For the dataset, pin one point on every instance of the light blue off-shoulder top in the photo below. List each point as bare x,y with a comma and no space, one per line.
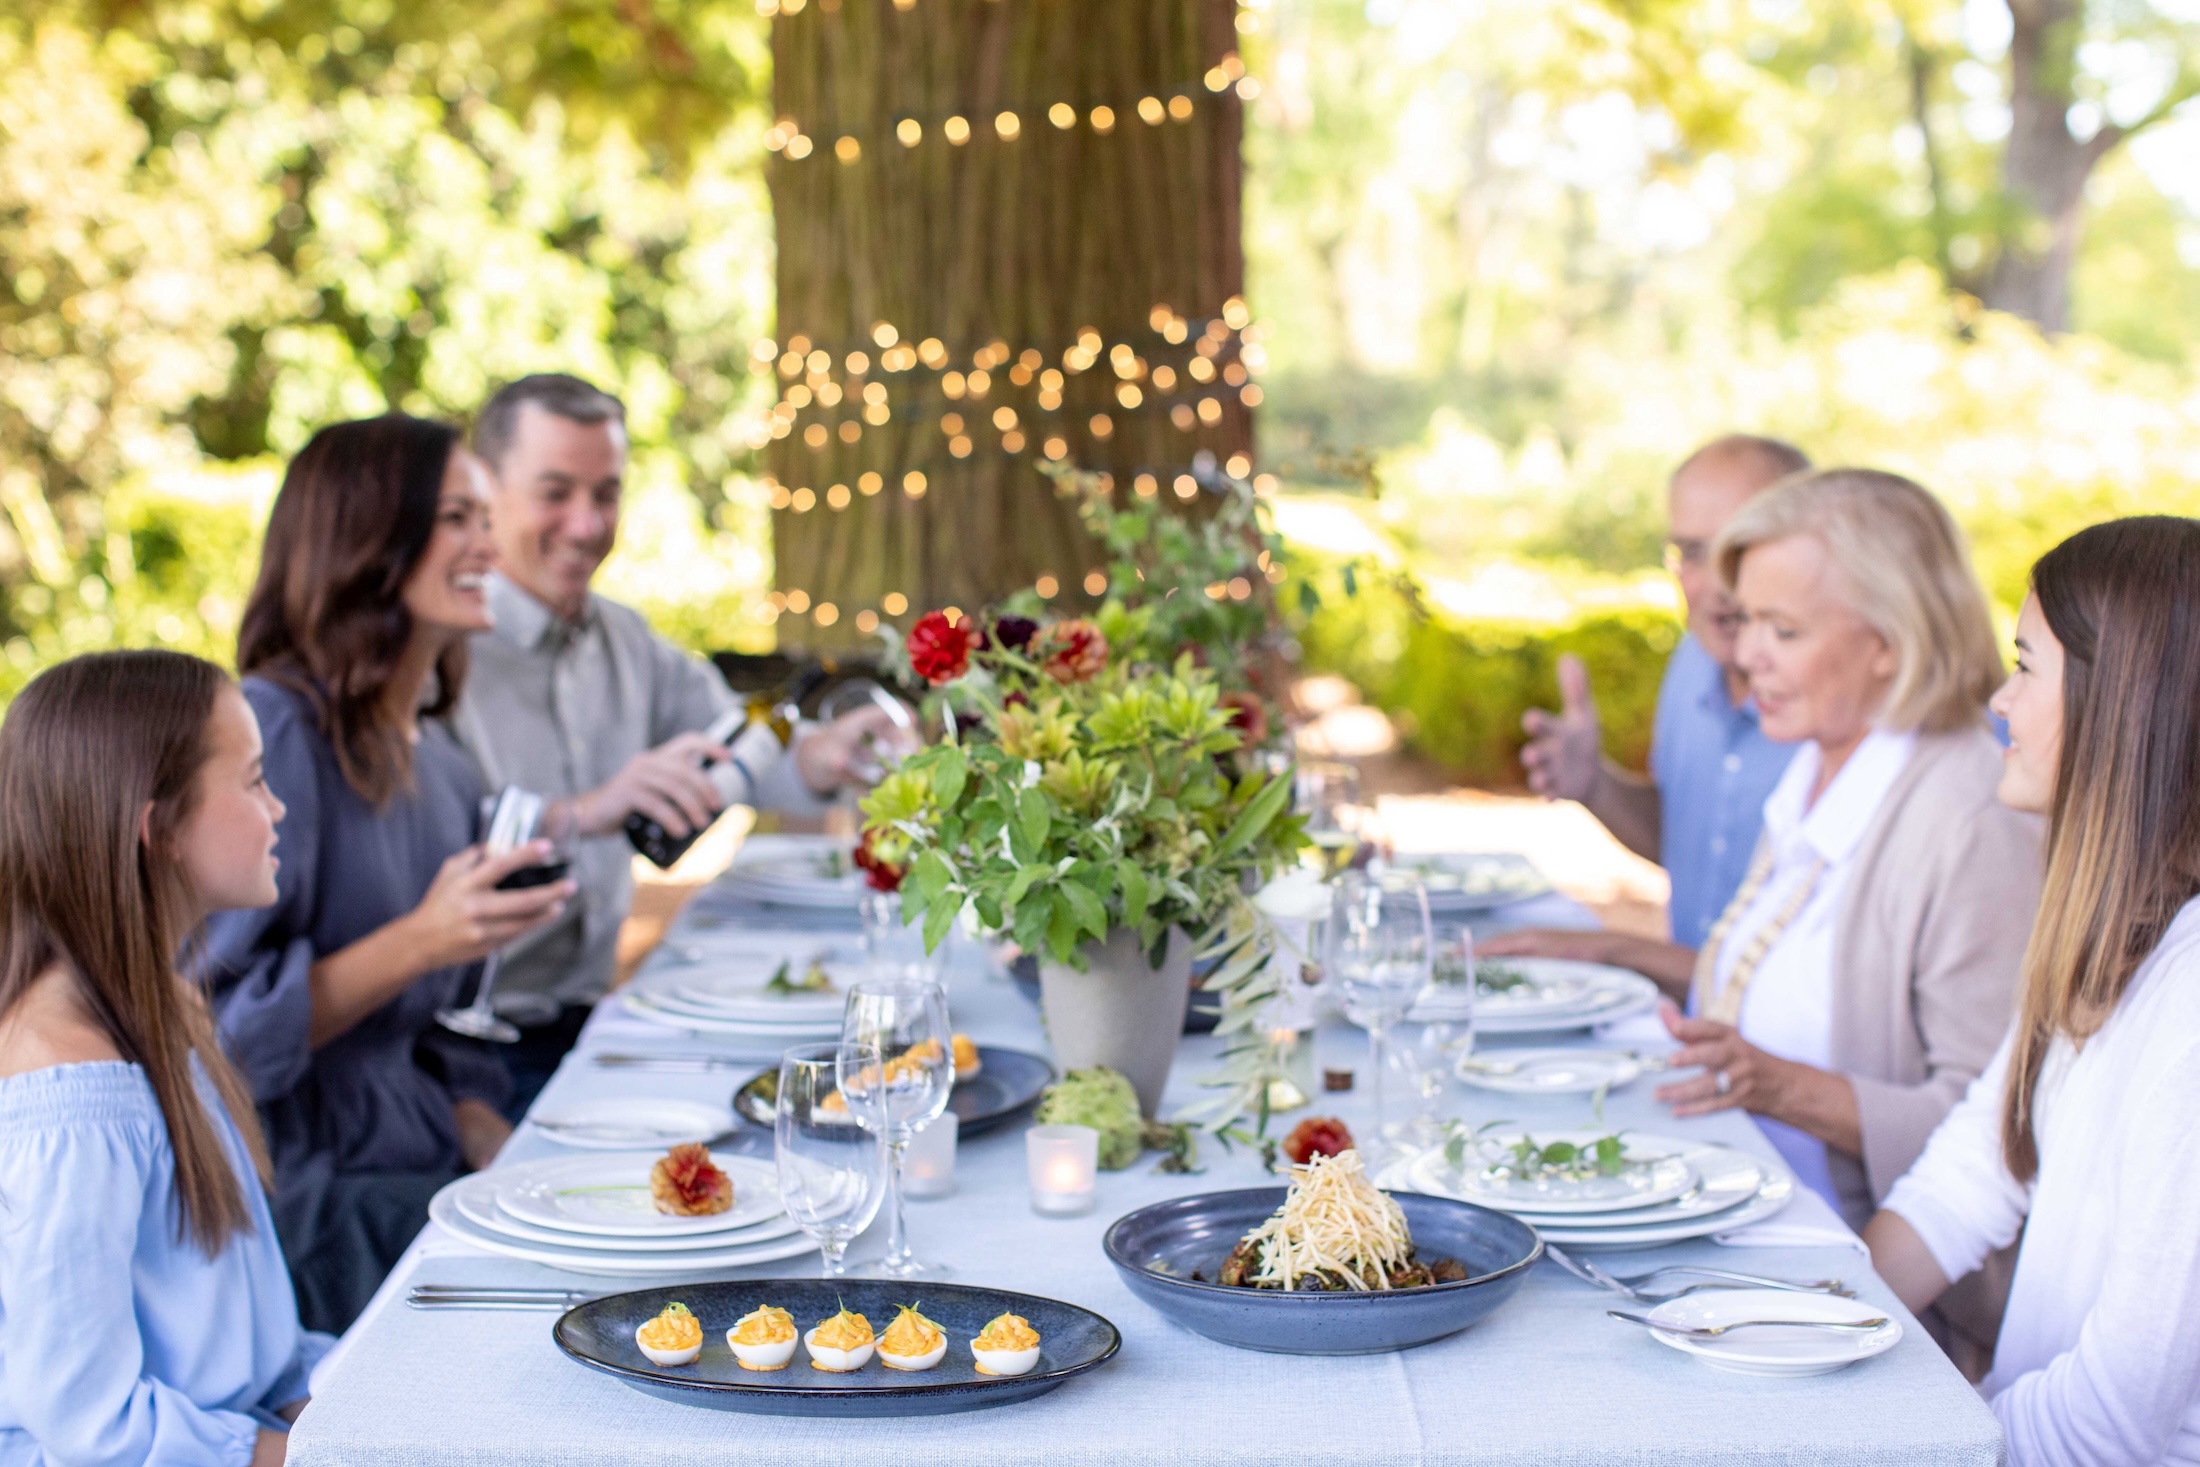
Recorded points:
121,1342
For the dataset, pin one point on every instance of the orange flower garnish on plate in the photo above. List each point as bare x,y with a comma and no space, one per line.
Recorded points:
685,1183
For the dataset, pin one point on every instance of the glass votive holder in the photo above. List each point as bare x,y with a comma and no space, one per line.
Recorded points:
928,1166
1064,1162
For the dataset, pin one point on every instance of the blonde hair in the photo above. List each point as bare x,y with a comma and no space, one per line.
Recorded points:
1908,574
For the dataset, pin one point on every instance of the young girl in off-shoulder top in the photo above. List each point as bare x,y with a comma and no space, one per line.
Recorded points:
145,1314
2084,1132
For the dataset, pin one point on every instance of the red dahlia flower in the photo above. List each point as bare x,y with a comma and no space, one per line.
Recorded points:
1071,651
1248,716
939,651
879,873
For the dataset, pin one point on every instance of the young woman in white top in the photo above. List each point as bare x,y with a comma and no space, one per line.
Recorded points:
2084,1132
145,1313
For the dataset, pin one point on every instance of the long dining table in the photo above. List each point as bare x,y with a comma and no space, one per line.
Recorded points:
1547,1379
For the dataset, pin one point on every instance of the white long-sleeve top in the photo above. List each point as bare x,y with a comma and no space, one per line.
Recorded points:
2099,1357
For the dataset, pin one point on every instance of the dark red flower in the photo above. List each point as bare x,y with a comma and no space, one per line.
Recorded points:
1320,1136
1071,651
1015,632
879,873
1249,716
939,651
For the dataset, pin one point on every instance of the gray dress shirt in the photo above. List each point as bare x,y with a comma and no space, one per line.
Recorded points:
559,708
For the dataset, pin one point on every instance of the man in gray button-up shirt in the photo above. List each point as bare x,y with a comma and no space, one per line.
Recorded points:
574,697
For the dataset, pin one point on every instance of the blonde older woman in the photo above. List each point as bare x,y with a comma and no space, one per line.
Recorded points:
1866,970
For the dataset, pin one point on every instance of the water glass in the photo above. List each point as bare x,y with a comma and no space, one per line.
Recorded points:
1379,963
1328,795
830,1140
906,1023
893,950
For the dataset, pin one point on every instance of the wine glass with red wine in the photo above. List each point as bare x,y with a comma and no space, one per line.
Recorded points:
510,819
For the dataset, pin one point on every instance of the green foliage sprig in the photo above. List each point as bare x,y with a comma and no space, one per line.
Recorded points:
1083,809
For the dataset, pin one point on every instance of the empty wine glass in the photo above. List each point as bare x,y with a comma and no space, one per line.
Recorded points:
830,1143
906,1022
894,949
1379,962
510,819
1328,795
1425,1057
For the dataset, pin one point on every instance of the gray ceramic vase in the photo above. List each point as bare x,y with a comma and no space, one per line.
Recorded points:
1120,1012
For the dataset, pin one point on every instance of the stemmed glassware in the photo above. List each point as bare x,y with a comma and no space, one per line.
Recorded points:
894,949
906,1022
1328,795
512,817
1379,961
831,1144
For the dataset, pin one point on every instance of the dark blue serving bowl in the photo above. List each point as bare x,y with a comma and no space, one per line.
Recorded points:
1158,1248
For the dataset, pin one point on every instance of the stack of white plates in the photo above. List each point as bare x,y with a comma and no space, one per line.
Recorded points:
1560,994
797,871
733,998
1678,1190
593,1214
1461,882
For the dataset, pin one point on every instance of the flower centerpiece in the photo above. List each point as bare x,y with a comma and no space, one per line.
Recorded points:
1091,809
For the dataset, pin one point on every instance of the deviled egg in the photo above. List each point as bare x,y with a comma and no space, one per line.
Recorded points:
1007,1346
674,1337
967,1062
762,1339
842,1343
912,1342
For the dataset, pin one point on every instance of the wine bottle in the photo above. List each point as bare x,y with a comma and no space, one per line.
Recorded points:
754,739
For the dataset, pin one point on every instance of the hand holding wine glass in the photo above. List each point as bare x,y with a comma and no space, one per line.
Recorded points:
514,820
906,1022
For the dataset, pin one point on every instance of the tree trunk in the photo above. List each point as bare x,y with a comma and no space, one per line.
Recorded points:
2044,168
969,289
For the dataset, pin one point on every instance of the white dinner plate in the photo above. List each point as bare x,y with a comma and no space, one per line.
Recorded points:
1777,1191
822,875
1725,1179
443,1209
1614,993
1548,1071
646,1005
476,1198
763,1012
1775,1351
624,1123
608,1196
743,995
1663,1174
1475,881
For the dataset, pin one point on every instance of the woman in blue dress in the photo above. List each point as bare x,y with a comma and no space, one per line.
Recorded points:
145,1316
353,640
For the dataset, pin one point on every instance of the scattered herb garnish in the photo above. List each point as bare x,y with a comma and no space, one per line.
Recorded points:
1525,1161
816,980
1494,977
1179,1141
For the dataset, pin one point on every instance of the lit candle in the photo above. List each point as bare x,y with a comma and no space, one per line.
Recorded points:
928,1166
1063,1161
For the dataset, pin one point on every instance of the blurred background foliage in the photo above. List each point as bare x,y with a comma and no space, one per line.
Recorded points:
1512,259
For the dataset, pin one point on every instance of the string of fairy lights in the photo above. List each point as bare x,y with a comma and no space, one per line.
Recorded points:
832,393
792,141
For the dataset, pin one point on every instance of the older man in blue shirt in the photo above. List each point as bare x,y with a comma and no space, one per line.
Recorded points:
1710,766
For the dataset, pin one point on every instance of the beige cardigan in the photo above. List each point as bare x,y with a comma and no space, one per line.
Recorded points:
1928,949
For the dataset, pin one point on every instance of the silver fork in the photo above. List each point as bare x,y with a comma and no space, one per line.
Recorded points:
1713,1331
1589,1273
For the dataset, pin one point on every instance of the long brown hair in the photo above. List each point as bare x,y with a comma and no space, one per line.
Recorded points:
2123,841
325,618
86,748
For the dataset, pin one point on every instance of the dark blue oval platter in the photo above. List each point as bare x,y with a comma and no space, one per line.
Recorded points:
1157,1249
600,1335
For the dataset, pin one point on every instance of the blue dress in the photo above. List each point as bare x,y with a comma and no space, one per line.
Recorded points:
120,1342
360,1129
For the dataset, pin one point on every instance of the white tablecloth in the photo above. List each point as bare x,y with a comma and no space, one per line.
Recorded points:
1546,1380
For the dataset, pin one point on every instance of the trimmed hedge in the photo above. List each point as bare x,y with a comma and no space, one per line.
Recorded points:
1457,688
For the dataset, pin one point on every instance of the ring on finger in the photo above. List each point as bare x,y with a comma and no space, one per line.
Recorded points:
1723,1082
